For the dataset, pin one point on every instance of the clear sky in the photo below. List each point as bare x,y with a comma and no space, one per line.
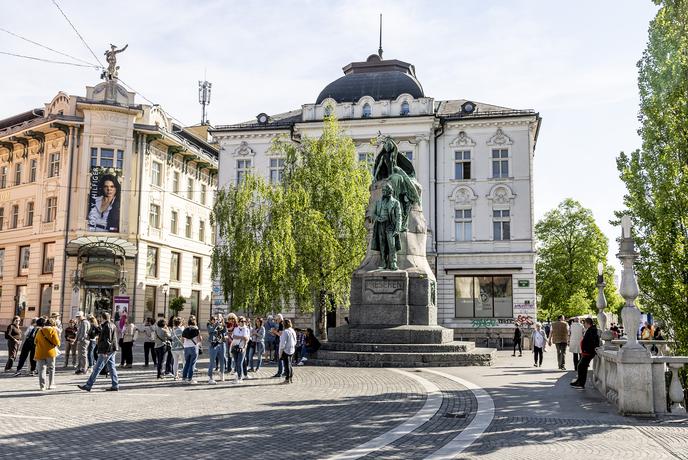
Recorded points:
573,62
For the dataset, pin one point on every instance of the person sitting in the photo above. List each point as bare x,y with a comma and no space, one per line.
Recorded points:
311,344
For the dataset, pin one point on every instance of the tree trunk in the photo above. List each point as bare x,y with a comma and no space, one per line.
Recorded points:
322,315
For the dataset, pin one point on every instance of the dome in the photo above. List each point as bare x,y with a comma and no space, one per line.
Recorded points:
377,78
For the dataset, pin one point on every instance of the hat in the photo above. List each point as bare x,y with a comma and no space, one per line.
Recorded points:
80,314
54,314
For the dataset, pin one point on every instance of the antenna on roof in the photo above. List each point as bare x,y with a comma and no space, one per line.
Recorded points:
379,51
204,98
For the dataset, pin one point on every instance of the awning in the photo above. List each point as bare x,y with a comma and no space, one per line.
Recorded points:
101,245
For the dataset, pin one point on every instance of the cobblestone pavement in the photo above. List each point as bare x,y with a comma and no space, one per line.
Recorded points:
326,411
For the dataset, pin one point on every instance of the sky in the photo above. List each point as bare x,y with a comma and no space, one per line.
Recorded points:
573,62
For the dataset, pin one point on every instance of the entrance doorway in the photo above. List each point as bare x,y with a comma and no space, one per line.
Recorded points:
98,299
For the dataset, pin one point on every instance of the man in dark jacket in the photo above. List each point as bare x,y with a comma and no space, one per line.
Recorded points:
107,348
590,342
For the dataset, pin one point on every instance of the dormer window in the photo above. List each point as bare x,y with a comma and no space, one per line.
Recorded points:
405,109
367,111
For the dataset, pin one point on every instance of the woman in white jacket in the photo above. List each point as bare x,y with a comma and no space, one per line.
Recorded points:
287,347
576,332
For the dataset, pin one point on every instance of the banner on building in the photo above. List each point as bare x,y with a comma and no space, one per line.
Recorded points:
104,199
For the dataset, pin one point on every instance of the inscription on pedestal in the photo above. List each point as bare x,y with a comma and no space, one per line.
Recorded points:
381,290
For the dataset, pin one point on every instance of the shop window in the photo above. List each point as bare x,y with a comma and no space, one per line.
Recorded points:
483,296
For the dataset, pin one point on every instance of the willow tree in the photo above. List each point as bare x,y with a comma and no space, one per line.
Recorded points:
327,192
656,176
570,245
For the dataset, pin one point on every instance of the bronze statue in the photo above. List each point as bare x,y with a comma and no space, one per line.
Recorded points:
111,58
387,218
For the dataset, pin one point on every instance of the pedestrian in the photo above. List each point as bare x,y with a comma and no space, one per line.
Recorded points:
575,337
277,332
270,342
231,323
560,337
240,338
217,338
82,342
177,348
539,344
107,349
13,334
258,339
249,349
70,343
517,340
589,344
93,333
149,342
47,346
286,349
58,323
647,332
192,339
28,349
548,329
129,336
311,345
162,337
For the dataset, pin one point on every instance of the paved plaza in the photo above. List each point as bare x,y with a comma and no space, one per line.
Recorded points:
511,410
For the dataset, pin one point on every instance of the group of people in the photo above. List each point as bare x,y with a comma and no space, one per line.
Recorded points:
235,344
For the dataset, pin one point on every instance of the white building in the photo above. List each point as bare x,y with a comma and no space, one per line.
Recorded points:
473,160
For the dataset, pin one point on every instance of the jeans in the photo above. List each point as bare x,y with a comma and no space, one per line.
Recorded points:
92,353
177,357
81,352
238,355
149,348
43,365
70,350
576,359
280,368
190,356
258,349
288,368
160,352
216,352
537,351
561,354
128,353
583,369
104,360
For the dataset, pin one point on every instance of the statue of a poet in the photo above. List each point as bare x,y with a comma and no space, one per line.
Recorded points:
387,225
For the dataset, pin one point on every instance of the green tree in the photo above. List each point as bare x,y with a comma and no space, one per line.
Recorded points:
656,176
327,192
570,245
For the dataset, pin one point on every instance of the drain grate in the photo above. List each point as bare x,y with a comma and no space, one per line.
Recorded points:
454,415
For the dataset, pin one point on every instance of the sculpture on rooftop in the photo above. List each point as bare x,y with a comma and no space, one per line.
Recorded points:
111,57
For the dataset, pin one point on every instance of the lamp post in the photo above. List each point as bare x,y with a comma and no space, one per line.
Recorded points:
165,290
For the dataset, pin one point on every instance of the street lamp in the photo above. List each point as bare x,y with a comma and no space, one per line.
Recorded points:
165,290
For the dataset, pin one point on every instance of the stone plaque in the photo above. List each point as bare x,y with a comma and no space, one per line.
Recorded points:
385,289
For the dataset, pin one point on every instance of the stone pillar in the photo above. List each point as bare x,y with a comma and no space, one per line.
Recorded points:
629,291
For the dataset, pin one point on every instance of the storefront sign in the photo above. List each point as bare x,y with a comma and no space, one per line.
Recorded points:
98,272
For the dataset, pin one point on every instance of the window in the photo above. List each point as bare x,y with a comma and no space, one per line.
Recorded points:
46,299
408,154
174,223
367,111
201,231
501,224
24,257
213,231
48,257
483,296
328,110
189,188
33,166
156,167
14,217
22,297
500,163
54,165
51,209
368,158
204,194
188,227
243,168
405,109
29,214
195,301
107,158
2,218
174,293
175,182
149,301
276,170
463,224
196,270
2,260
154,216
462,164
152,262
18,174
3,176
175,261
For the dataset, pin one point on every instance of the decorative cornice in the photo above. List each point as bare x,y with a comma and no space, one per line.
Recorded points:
244,149
499,139
462,140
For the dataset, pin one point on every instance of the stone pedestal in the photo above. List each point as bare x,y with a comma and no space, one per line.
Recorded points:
634,380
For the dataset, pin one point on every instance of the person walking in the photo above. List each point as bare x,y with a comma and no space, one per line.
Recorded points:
107,349
177,348
277,332
192,339
230,324
93,333
271,341
129,335
539,343
258,339
13,334
575,336
28,349
82,342
162,336
560,337
287,348
149,342
240,338
47,345
70,343
217,345
517,340
591,340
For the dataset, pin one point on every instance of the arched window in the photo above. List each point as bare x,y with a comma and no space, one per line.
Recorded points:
405,109
367,111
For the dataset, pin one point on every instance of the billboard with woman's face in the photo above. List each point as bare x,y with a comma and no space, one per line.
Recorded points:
104,200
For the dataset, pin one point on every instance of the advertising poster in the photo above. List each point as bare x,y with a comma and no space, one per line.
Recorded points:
104,200
121,310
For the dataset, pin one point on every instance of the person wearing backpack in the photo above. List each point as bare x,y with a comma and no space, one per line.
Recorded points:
162,336
177,346
47,343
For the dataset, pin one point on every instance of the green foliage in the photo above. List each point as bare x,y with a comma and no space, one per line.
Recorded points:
656,176
177,304
570,244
